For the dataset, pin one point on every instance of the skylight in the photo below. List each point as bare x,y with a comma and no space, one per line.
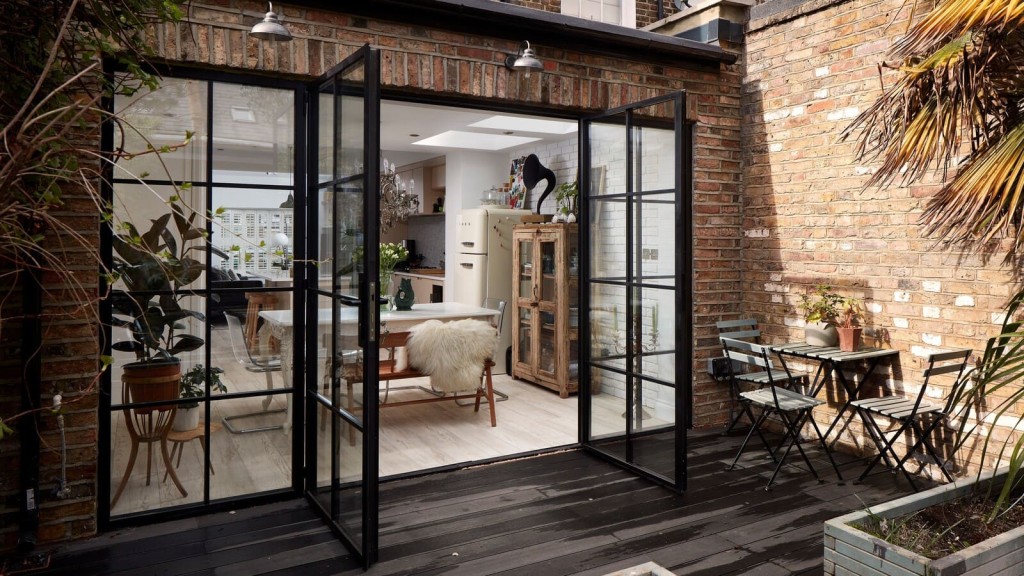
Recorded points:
520,124
474,140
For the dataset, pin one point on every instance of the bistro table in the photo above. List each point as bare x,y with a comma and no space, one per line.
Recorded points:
832,360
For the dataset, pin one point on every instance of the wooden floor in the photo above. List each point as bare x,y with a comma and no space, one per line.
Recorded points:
558,514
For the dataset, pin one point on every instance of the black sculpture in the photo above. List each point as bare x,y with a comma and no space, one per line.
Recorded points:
533,173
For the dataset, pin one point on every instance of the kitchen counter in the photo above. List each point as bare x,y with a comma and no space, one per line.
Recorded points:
422,283
429,273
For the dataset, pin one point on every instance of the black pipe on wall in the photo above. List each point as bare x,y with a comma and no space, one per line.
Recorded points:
28,430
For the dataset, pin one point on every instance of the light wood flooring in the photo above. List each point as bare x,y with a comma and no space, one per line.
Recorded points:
412,438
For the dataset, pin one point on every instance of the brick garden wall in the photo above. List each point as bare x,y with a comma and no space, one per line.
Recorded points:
807,218
414,59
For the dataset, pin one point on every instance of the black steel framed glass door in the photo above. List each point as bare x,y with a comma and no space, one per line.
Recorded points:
636,244
341,321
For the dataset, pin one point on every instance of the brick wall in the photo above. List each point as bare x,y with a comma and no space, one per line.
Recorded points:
807,218
416,60
69,359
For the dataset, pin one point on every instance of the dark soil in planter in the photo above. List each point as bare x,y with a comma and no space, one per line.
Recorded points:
946,528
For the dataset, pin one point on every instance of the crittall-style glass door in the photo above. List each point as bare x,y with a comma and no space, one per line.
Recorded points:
341,322
636,252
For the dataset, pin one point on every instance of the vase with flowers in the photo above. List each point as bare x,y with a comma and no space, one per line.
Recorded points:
390,255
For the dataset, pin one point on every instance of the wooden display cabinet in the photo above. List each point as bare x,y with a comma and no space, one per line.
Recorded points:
545,313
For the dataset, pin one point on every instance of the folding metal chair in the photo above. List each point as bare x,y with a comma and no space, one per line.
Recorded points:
746,330
792,407
910,413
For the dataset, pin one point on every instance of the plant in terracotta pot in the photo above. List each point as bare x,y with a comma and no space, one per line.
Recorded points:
156,269
847,324
193,385
821,308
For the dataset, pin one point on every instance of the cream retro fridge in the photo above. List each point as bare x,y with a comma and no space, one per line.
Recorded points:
483,265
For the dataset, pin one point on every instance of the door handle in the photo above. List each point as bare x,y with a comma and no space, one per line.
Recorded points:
466,265
349,300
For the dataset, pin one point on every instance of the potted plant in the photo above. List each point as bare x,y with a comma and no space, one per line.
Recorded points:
193,385
821,308
848,324
156,269
566,195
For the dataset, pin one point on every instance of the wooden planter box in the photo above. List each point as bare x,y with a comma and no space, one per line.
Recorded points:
851,551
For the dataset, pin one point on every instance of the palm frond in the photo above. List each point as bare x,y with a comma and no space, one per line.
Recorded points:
954,18
984,201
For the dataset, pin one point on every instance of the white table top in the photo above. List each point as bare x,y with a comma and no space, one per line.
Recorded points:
419,313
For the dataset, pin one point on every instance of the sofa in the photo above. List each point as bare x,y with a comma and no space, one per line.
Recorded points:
233,296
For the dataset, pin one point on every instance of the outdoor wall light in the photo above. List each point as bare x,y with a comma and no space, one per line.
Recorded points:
523,60
270,28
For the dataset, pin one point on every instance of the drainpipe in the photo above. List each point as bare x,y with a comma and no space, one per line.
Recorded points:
28,429
661,11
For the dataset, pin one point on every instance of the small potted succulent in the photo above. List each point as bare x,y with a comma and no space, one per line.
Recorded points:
193,385
851,314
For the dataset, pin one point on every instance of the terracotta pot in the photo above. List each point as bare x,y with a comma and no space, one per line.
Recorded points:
821,334
152,382
849,338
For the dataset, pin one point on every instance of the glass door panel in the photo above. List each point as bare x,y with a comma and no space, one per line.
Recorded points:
343,292
636,295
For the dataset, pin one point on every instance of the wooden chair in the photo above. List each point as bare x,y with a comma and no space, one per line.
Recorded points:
910,413
792,407
390,370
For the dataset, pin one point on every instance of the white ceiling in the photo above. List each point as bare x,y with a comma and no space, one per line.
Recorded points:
399,120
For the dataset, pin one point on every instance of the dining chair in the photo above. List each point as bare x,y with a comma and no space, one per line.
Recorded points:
792,408
909,414
499,305
253,363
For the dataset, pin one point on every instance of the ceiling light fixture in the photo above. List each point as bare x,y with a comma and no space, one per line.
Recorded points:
271,28
523,59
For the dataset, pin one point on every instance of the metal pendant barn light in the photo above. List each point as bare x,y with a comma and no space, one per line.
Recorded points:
271,28
524,59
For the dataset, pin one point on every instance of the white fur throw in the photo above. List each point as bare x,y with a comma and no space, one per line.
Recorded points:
452,353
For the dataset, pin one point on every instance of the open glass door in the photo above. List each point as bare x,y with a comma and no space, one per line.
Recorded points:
342,293
636,251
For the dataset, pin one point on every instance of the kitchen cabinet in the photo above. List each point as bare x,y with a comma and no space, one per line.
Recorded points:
545,313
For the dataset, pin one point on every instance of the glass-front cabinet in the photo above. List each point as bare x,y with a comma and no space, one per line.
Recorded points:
545,341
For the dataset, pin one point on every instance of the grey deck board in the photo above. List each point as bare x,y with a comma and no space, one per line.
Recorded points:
554,515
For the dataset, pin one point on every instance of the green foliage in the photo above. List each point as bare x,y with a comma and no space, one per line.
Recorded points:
157,268
193,382
566,195
996,389
829,307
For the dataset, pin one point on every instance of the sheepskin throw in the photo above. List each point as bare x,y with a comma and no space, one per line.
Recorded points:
452,353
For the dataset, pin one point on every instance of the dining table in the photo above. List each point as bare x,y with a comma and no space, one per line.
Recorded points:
279,324
831,361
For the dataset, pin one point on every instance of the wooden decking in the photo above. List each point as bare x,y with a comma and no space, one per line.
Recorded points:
560,514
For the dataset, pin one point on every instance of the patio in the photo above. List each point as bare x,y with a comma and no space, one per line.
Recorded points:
559,514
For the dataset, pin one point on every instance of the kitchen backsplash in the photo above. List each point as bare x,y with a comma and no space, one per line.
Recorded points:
428,232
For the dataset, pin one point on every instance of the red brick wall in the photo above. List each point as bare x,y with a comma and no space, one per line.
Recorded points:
807,218
419,59
415,59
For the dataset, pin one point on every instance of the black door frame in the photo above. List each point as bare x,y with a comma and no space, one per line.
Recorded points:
683,292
